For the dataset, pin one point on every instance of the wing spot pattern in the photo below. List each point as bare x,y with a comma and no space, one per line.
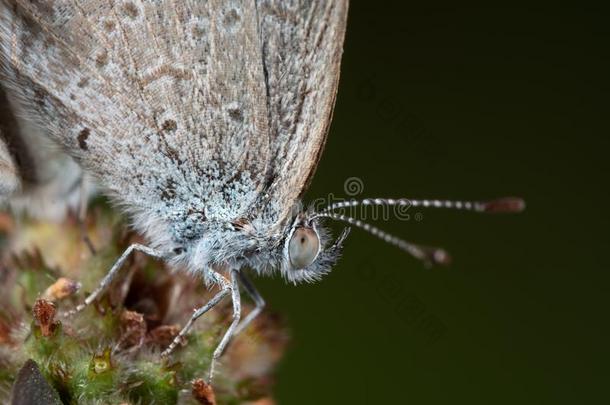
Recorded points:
198,32
40,97
166,70
101,59
130,10
236,114
231,18
109,26
83,135
83,82
169,126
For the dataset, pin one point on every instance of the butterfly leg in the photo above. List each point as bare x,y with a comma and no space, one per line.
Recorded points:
224,291
114,270
256,297
231,331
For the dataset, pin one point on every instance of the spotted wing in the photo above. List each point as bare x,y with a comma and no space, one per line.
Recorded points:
160,100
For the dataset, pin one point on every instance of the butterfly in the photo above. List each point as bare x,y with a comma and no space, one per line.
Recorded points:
204,121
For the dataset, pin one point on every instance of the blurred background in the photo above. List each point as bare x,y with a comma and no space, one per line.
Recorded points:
467,102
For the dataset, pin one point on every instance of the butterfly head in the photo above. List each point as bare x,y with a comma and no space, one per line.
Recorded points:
303,250
307,251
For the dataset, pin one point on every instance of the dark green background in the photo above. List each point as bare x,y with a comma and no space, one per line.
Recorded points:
464,102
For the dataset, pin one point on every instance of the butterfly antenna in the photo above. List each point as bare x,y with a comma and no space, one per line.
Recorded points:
428,255
505,205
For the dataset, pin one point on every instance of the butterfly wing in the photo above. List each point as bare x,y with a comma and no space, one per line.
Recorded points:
164,102
302,43
10,176
35,176
159,100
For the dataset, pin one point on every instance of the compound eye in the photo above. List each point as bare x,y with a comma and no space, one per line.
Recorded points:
303,248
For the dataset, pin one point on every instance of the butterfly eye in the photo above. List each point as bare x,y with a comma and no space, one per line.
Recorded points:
303,248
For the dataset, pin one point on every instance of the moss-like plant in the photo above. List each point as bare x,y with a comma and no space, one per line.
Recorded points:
110,352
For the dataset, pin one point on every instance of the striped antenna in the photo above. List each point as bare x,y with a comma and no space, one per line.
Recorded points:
506,204
429,255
